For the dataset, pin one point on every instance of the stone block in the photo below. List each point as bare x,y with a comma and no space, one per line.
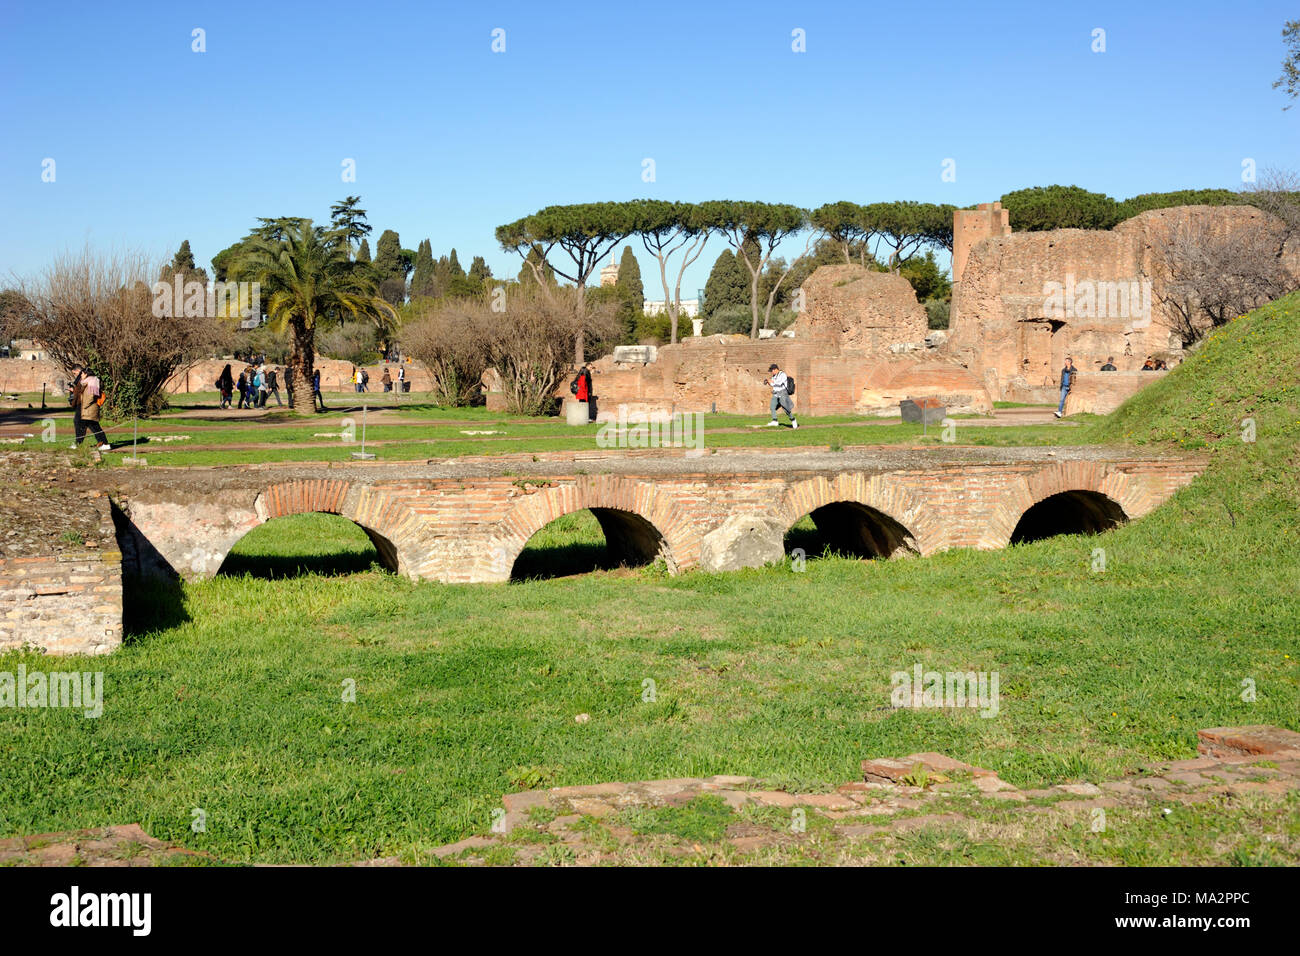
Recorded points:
743,541
1246,741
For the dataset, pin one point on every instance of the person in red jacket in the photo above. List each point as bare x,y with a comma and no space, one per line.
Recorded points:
582,390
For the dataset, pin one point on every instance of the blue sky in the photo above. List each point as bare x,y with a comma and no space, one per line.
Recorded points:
154,143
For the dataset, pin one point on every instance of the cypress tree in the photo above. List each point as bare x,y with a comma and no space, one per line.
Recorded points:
183,261
422,280
388,257
629,279
728,283
363,253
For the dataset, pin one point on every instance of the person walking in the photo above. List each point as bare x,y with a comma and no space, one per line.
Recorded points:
225,385
782,392
86,398
273,385
316,396
401,379
1110,364
242,385
259,387
387,380
1068,374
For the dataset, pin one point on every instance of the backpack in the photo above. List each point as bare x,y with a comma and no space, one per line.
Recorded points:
789,384
573,386
365,377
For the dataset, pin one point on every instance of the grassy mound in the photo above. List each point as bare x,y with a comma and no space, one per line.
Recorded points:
1249,369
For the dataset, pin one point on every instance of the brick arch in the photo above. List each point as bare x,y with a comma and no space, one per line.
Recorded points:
1097,477
878,492
623,499
380,512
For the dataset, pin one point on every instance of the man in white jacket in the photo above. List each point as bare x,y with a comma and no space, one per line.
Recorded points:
779,382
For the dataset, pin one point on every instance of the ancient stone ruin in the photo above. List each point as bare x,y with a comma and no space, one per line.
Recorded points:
1021,303
1024,301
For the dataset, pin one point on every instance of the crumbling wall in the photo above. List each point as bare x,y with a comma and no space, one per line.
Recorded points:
1027,300
858,308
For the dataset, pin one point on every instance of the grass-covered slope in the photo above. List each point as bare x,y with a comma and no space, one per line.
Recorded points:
1250,368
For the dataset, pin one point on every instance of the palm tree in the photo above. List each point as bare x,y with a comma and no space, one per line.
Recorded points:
311,278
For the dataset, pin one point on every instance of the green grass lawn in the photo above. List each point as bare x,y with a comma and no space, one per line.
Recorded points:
228,696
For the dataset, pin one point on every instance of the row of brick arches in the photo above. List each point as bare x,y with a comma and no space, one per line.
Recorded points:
415,532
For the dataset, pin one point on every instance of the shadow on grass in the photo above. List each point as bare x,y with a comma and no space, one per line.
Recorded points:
275,567
150,604
562,561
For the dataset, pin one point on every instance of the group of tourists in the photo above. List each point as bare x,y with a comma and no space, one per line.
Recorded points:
255,385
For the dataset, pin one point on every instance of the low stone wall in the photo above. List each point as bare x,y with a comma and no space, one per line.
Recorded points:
20,375
727,373
1103,392
66,603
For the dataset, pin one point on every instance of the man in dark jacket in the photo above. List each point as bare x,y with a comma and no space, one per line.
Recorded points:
1067,382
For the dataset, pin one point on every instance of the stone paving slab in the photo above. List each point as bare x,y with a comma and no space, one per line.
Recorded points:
880,803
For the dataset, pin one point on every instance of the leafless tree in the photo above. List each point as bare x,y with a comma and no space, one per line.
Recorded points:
1211,276
447,337
1277,192
530,338
97,310
524,331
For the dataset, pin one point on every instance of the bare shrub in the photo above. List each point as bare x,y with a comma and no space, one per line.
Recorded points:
1211,276
447,337
527,336
530,341
96,310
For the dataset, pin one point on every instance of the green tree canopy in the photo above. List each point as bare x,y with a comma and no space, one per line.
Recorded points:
1289,81
348,219
422,279
728,285
1060,207
312,280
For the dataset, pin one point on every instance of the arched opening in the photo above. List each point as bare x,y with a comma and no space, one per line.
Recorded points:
851,529
1069,512
312,543
595,539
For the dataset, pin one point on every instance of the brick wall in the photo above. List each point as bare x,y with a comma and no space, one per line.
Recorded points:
19,375
698,375
65,603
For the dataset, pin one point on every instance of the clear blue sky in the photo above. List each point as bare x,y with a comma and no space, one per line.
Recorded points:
154,143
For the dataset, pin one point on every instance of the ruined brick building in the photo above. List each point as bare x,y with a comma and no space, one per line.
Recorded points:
1021,303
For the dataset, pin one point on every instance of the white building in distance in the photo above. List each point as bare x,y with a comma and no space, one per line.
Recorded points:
690,307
